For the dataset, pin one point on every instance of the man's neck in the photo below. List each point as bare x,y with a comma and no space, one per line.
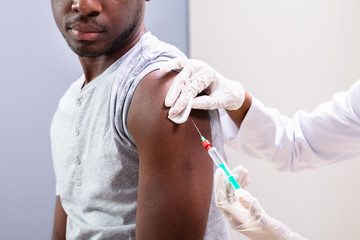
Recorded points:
93,67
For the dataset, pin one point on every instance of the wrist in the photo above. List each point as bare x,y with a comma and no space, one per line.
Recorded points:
265,228
238,115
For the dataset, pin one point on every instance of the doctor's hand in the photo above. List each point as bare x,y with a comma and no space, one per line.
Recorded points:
195,77
244,213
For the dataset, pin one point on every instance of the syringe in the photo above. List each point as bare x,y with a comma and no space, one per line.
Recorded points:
217,159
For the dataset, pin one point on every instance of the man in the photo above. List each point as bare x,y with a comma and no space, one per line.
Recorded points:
122,168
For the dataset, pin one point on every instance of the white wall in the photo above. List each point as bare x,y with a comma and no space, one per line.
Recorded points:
290,54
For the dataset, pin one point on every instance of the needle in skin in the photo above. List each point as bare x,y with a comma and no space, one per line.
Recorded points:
202,138
196,128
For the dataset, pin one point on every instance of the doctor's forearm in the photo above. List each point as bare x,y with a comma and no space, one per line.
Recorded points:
238,115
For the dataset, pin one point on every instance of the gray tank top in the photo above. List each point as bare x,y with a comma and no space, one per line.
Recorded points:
95,158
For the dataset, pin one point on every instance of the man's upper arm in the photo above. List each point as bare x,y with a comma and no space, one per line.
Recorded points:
175,172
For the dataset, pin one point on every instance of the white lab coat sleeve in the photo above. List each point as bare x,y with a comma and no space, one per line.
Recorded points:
330,133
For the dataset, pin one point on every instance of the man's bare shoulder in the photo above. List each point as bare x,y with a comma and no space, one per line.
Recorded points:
151,92
149,114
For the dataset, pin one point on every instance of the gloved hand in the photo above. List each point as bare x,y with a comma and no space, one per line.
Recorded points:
245,214
195,77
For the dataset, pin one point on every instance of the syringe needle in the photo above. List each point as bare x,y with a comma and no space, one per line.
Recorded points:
196,128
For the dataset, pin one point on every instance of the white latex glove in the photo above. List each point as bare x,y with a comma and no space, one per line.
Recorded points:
195,77
245,214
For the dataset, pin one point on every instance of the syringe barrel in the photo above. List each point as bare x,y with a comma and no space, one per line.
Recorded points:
215,156
219,161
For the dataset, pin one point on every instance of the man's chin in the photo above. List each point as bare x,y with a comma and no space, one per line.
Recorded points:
89,53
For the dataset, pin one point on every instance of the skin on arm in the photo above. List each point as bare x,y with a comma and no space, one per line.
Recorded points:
238,115
59,231
175,172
